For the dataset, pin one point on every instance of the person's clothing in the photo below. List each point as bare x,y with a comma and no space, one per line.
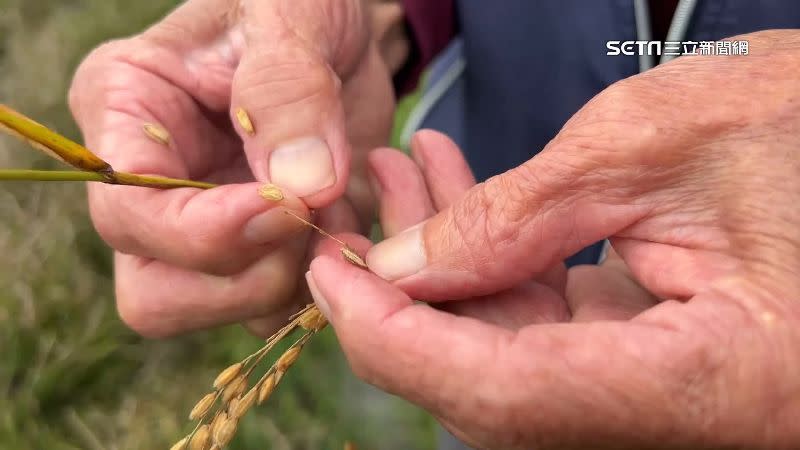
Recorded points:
510,73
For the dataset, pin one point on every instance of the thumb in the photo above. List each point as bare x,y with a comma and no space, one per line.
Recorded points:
285,100
504,231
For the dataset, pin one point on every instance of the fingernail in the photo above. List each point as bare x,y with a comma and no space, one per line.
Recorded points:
322,304
400,256
303,166
270,226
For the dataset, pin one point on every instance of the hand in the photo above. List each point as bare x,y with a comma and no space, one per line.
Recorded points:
315,86
689,340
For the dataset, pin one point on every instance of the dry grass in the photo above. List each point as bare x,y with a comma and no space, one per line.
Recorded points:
71,375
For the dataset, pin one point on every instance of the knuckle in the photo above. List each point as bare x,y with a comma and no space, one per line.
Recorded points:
95,63
99,75
297,80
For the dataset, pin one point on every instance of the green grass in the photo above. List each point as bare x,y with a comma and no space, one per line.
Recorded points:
71,375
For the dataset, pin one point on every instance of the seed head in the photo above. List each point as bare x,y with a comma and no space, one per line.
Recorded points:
156,133
270,192
227,375
244,121
287,359
203,406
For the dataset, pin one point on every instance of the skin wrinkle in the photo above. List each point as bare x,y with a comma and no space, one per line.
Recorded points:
496,204
514,207
340,49
462,235
306,98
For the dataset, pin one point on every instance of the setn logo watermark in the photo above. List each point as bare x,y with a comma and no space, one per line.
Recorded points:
677,48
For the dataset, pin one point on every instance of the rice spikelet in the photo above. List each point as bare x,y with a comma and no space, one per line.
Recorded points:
234,389
312,320
352,257
232,405
224,434
227,375
180,445
244,404
217,422
201,439
287,359
266,388
156,133
203,406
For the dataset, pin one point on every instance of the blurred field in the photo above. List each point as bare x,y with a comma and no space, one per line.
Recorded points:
71,375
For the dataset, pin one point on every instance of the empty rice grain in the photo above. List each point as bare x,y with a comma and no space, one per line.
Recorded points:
352,257
156,133
244,121
271,192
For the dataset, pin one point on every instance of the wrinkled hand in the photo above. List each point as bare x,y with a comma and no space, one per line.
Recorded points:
315,85
688,340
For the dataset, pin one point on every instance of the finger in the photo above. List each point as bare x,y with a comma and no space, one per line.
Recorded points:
288,83
403,198
447,173
506,230
266,326
219,231
603,293
448,177
156,299
607,291
695,268
483,378
392,317
518,307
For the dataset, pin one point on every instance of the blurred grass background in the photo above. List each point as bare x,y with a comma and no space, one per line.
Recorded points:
71,375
